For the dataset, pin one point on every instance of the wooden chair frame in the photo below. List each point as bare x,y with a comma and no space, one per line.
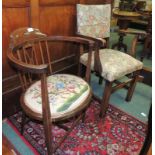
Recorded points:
26,66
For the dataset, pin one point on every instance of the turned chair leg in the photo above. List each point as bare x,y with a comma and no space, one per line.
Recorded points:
132,86
106,97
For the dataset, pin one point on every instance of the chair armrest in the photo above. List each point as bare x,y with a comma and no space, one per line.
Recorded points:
97,61
43,68
37,69
77,39
99,42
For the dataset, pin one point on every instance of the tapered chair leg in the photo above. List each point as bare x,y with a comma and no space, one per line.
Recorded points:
132,86
48,137
106,97
23,123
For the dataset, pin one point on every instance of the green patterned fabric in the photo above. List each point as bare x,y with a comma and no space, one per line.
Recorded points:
65,93
115,64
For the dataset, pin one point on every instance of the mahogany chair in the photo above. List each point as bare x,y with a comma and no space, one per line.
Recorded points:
93,21
49,97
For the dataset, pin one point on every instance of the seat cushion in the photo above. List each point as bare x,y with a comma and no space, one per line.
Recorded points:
65,92
115,64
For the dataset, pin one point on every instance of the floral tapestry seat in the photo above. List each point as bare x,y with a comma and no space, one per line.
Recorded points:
65,92
115,64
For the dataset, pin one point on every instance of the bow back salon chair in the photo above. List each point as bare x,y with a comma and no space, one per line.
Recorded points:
94,21
50,97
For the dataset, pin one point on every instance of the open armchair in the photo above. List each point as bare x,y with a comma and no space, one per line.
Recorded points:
93,21
48,97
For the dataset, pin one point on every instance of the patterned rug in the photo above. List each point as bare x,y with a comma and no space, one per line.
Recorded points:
118,134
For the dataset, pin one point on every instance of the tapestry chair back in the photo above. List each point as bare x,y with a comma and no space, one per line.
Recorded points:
94,21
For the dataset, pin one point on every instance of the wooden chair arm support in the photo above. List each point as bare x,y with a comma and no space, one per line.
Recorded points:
81,40
97,62
134,45
98,42
37,69
72,39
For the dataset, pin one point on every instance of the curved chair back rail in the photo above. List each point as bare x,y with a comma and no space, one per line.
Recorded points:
34,56
18,56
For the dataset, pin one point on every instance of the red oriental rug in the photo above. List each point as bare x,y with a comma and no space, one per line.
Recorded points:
118,134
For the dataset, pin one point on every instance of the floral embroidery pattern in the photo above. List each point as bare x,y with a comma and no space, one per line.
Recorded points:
63,91
94,20
115,64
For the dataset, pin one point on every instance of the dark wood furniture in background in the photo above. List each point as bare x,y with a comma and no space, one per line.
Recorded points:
44,15
124,18
134,22
147,50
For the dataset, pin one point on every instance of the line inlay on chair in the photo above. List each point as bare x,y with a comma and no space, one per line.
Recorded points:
93,21
48,97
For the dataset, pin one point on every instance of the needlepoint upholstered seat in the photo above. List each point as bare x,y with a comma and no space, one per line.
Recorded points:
66,93
115,64
93,22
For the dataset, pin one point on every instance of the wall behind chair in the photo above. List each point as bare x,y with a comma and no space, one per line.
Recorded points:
52,17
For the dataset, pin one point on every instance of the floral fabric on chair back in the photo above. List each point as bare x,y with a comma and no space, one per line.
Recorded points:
94,20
